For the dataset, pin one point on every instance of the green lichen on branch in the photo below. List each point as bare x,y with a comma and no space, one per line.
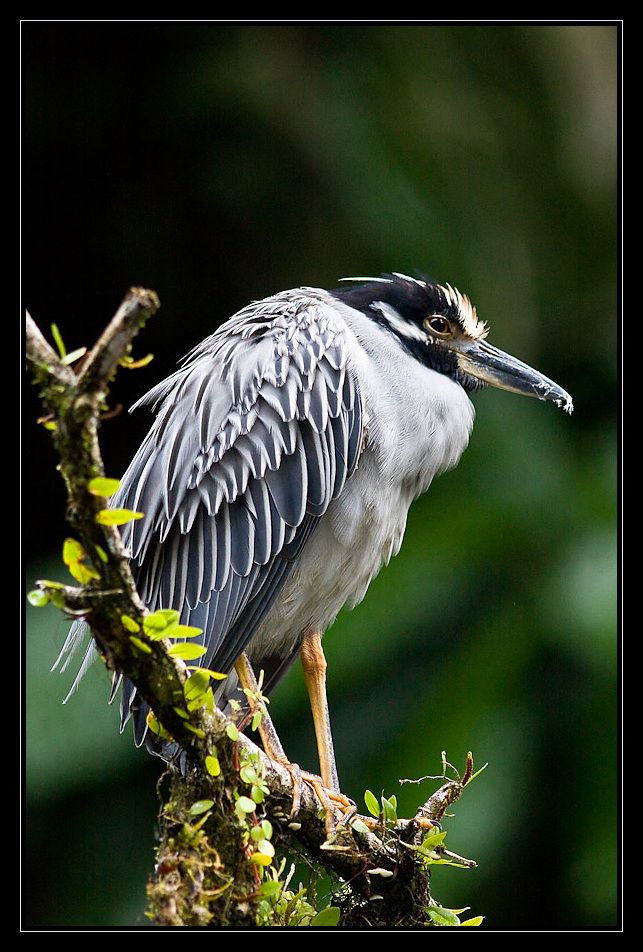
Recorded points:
74,400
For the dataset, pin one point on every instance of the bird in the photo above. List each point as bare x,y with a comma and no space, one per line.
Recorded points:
277,475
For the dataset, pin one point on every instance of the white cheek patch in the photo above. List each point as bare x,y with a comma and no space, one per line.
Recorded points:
402,328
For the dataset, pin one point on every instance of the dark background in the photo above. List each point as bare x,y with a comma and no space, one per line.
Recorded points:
221,162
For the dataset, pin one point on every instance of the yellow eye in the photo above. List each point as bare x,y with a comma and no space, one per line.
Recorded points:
437,324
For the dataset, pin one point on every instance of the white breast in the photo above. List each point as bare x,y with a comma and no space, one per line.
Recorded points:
418,423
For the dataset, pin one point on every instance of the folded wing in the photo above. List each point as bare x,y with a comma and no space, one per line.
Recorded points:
253,438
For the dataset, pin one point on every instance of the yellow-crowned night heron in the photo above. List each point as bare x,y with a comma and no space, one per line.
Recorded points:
277,477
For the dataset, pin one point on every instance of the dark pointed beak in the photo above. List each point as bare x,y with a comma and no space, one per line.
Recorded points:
494,367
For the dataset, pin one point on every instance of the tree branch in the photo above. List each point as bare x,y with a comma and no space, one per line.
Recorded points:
215,862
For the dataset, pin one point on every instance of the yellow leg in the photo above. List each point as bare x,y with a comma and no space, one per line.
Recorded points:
326,787
314,665
269,737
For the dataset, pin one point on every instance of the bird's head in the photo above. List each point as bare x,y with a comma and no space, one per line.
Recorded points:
440,327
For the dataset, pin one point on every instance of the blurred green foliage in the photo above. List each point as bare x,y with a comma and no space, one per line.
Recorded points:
220,162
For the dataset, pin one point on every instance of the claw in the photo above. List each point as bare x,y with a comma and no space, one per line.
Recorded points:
334,803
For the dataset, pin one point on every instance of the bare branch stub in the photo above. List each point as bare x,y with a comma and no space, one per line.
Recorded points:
114,343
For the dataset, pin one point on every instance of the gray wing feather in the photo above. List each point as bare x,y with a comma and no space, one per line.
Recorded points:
252,439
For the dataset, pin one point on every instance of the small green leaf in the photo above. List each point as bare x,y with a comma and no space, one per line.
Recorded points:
262,859
443,917
54,585
186,651
475,921
431,840
132,364
201,806
116,517
212,674
155,725
37,599
102,486
163,618
82,573
212,765
186,631
248,774
195,730
157,624
129,624
55,333
258,794
266,847
473,776
232,731
271,887
140,644
73,554
72,551
372,804
56,598
205,699
197,690
326,917
246,804
196,684
389,808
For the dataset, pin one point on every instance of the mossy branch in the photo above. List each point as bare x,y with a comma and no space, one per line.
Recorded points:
217,819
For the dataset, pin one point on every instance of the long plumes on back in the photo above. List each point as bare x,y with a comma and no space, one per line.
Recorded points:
253,438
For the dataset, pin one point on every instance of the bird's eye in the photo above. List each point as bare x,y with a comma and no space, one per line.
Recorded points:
437,324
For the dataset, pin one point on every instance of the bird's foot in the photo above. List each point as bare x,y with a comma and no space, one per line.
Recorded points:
338,808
